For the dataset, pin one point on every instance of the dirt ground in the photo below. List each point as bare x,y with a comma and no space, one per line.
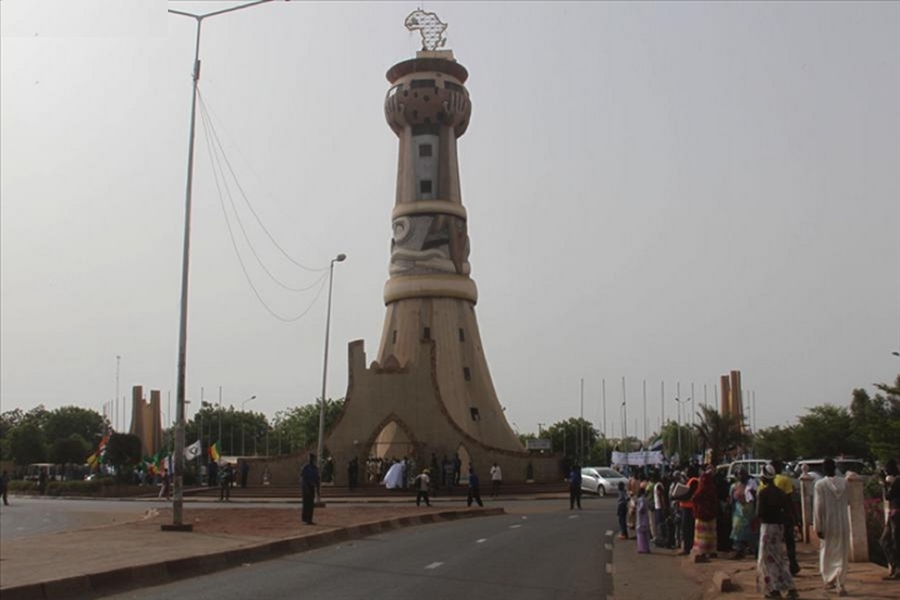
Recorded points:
282,522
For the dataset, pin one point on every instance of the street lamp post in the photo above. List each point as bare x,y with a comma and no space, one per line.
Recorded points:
680,402
320,445
178,497
243,424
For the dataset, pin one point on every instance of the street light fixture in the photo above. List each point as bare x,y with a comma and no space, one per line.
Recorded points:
680,402
243,424
321,443
178,497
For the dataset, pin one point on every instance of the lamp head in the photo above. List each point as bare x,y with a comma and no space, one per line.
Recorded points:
340,258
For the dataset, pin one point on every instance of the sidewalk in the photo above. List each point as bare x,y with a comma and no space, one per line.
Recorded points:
863,581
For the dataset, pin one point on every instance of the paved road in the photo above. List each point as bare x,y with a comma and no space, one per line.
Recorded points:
537,555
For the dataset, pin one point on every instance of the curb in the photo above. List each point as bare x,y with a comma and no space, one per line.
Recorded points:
152,574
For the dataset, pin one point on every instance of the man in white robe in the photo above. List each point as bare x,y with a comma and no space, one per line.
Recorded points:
831,521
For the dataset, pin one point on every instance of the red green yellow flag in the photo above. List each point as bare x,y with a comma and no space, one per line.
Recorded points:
214,452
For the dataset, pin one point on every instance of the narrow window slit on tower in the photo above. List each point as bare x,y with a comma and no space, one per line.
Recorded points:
462,335
474,412
427,333
425,186
394,337
467,373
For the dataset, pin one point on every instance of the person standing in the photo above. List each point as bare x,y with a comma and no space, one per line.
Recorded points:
687,511
4,486
423,484
622,511
741,512
309,485
226,475
773,573
831,522
42,481
706,504
496,479
457,467
575,487
642,527
890,538
659,510
245,470
474,491
790,518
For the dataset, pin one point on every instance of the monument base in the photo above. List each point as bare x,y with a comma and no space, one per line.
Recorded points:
173,527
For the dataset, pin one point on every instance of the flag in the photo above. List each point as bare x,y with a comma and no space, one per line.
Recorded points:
214,452
657,444
97,455
192,451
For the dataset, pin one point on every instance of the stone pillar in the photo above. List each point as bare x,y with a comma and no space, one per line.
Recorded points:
859,541
806,504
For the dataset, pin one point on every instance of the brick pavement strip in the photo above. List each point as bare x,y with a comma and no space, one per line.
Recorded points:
102,560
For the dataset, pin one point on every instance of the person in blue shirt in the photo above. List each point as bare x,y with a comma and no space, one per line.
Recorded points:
622,511
575,487
474,490
309,483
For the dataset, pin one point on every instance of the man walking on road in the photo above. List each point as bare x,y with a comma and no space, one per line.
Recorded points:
309,484
831,521
474,491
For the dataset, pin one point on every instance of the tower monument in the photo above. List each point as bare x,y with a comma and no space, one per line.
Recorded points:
429,392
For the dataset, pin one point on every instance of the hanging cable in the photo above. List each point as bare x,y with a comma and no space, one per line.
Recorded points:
250,206
219,151
323,278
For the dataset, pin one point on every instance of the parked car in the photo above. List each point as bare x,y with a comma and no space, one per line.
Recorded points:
843,466
753,466
600,480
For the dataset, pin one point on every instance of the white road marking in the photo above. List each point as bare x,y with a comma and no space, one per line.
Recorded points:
609,568
514,526
608,547
609,532
481,541
573,516
434,565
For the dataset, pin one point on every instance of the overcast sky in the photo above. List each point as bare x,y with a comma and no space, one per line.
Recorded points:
658,191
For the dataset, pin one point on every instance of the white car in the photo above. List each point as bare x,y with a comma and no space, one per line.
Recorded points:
600,480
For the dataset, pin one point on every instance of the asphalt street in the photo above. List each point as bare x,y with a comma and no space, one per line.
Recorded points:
529,555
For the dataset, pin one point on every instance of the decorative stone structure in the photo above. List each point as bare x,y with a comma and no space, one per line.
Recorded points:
732,397
429,392
146,422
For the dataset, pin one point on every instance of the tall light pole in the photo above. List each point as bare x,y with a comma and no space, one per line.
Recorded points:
321,443
680,402
244,425
178,497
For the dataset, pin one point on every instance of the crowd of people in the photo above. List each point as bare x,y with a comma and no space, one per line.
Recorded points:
698,511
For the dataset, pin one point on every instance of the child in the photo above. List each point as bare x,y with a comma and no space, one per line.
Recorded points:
622,511
642,529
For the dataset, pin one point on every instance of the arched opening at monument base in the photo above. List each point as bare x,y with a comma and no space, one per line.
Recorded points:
392,444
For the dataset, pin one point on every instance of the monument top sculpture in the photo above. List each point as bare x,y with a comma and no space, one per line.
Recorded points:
429,26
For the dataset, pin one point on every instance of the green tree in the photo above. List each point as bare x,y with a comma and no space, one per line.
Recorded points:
824,431
678,440
123,451
775,443
719,433
566,435
73,449
26,443
298,427
68,420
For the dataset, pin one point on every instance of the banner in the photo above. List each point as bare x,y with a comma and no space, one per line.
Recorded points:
638,459
192,451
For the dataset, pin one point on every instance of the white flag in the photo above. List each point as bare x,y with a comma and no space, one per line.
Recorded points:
192,451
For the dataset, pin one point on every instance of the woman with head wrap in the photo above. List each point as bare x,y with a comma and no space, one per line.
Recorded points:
773,574
706,507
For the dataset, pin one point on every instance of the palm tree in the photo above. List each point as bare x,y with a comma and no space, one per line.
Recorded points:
719,433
